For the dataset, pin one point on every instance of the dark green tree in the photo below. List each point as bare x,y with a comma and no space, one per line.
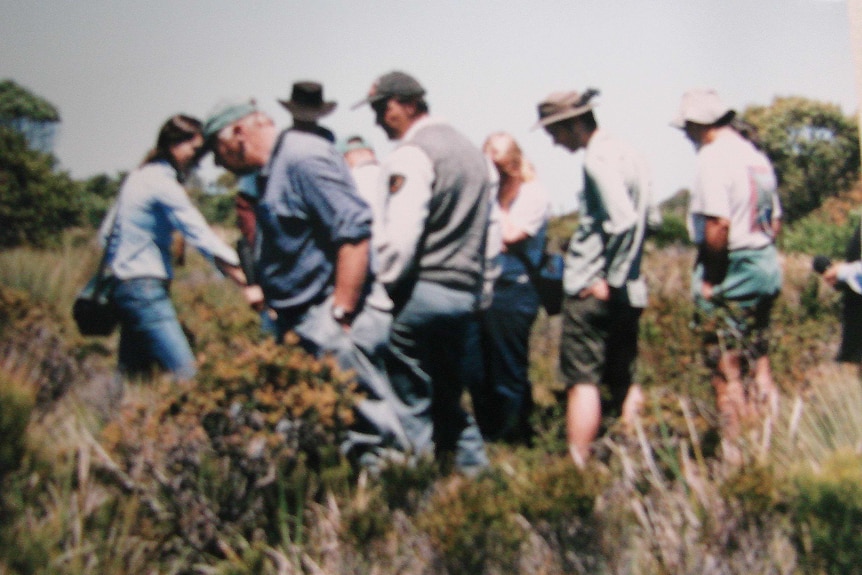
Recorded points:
27,113
813,146
36,202
99,193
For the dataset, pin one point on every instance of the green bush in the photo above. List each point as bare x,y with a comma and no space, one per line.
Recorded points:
673,230
472,526
817,234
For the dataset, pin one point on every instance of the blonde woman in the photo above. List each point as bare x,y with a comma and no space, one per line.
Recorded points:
504,400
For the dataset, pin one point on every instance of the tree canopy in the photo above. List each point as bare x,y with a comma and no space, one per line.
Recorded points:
17,102
36,202
813,146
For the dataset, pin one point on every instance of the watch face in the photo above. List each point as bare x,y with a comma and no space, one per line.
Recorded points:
338,313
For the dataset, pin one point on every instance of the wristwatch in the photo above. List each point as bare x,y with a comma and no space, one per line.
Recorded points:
341,315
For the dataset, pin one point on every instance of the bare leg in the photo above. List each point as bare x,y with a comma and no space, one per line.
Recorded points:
767,393
632,405
730,395
583,416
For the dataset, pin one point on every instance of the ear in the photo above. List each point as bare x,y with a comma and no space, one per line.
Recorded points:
411,108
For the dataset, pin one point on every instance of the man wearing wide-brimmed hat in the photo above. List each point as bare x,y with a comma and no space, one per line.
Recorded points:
312,253
605,292
734,215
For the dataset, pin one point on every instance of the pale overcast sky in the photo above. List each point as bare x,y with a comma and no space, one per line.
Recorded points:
117,69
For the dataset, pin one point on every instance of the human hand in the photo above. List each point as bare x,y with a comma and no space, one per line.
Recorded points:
830,276
600,290
253,295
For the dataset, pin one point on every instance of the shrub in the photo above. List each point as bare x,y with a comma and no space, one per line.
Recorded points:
472,526
17,399
827,515
673,230
236,453
816,234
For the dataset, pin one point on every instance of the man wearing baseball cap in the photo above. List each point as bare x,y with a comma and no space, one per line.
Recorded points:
432,259
734,216
312,256
605,291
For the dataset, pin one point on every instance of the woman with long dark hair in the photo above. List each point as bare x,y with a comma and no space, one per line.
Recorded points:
138,231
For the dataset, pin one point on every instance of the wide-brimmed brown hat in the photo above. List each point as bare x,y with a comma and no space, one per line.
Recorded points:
559,106
306,102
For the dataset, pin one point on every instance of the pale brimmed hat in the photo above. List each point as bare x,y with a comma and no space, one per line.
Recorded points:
559,106
702,106
224,115
306,102
392,85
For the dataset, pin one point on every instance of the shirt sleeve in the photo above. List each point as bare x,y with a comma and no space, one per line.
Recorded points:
611,185
188,220
850,273
328,190
407,175
712,186
530,210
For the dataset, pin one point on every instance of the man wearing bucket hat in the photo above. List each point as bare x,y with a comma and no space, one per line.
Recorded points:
734,215
432,259
605,292
312,252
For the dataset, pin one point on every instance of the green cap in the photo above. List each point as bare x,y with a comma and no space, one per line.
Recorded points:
353,143
226,115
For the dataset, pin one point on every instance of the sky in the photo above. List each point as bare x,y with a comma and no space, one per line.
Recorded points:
117,69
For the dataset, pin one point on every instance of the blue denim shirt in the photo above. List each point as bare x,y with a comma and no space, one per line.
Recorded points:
513,266
309,207
150,206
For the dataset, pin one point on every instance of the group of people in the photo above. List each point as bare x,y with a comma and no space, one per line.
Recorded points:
415,270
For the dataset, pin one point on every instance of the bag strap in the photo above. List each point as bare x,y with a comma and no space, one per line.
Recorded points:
100,273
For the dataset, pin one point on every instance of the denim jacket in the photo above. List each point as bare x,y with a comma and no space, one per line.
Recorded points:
150,206
308,208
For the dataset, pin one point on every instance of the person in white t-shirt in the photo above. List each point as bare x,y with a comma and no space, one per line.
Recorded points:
734,216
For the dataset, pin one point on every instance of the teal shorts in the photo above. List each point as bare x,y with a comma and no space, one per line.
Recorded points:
737,316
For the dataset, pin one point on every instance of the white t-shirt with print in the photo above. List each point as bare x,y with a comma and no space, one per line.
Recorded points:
735,181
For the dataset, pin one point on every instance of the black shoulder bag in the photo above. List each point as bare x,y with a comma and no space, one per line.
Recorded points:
94,311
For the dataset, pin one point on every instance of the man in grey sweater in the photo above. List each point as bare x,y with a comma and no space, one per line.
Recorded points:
431,261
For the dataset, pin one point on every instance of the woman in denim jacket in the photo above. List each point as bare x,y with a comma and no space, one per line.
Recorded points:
138,231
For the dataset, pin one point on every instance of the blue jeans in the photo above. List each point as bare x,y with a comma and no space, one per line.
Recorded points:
504,400
377,431
427,347
150,332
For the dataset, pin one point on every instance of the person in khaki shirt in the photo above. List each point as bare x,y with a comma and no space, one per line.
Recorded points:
604,291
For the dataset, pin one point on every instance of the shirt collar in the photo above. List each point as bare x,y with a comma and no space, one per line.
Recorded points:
422,122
